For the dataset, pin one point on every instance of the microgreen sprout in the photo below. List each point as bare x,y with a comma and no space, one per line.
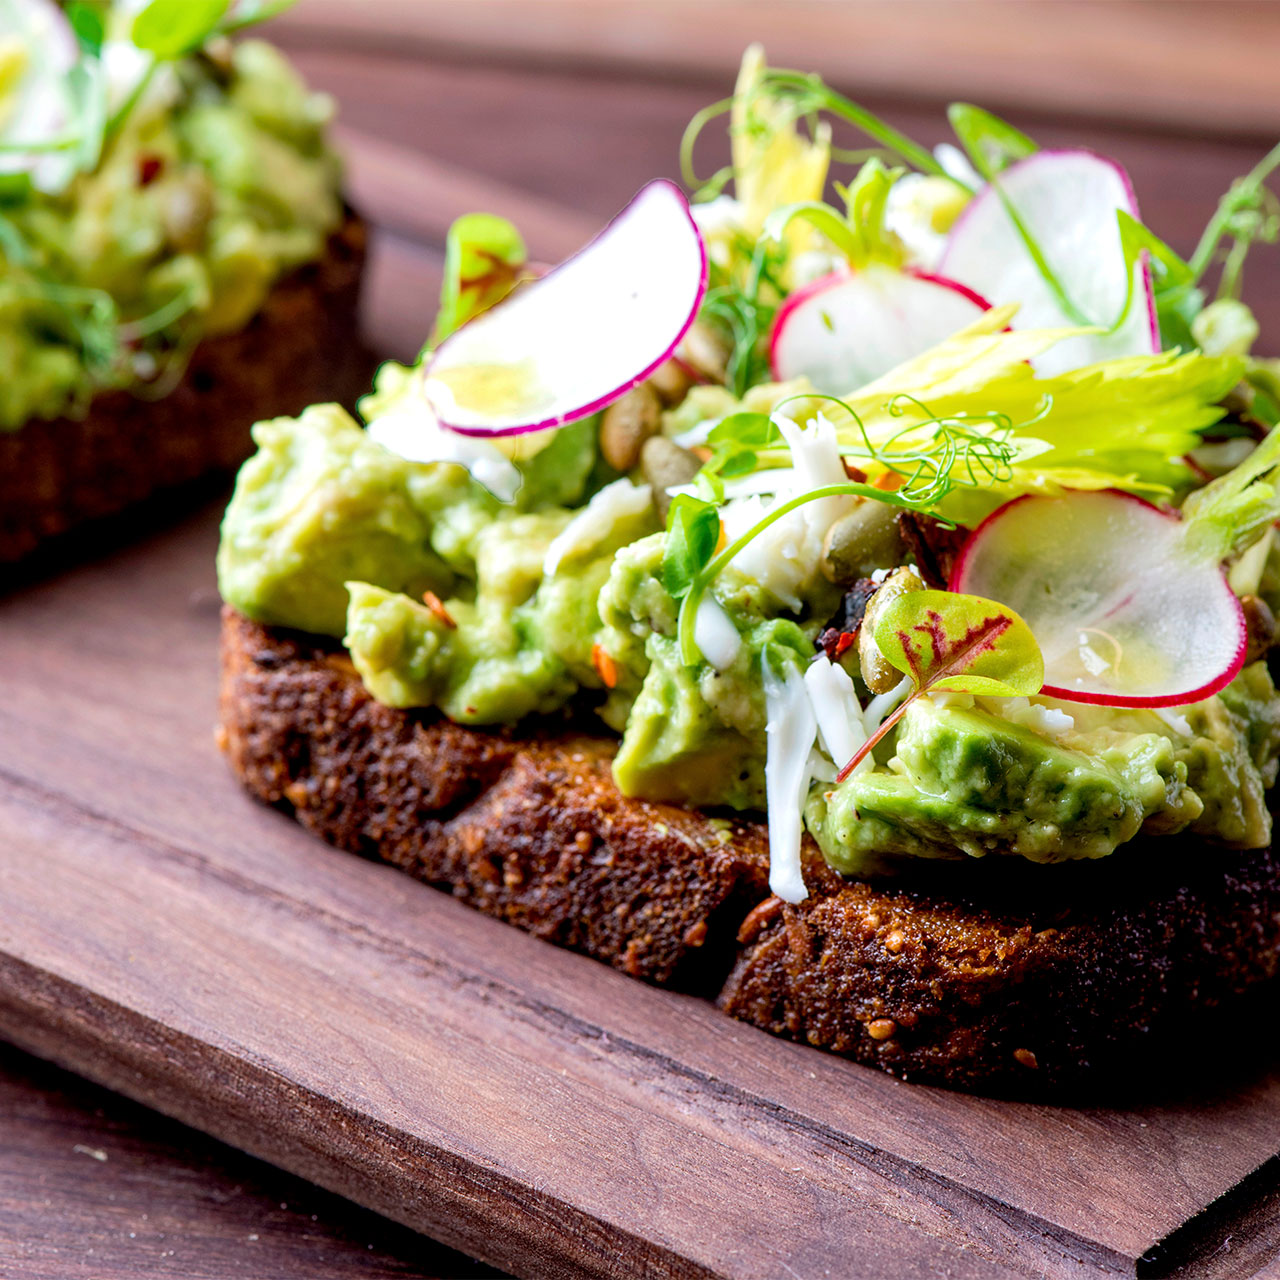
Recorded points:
931,456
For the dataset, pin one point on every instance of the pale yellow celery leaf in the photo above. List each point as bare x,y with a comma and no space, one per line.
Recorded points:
773,164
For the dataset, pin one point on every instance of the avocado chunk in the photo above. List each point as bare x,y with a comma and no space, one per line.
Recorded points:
693,734
965,782
319,505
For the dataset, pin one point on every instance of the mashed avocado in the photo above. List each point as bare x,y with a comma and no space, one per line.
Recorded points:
442,594
217,183
970,780
693,734
330,532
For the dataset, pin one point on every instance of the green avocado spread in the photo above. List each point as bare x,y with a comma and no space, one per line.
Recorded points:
209,184
447,596
751,583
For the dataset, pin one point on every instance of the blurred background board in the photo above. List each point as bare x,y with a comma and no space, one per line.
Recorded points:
554,112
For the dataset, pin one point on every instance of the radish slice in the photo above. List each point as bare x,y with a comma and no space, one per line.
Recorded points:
850,328
1067,201
588,331
37,107
1124,614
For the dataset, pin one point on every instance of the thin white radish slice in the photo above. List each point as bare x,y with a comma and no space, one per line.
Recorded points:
574,341
1067,201
1124,613
852,327
36,109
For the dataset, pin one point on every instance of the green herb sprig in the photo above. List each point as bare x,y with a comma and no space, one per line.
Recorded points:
955,451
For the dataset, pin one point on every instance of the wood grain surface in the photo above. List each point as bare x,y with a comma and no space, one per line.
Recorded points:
168,938
94,1188
165,937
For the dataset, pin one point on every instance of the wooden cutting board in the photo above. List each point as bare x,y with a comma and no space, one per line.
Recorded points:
165,936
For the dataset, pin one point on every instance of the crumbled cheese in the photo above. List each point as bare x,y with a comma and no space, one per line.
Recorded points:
1050,722
1092,661
697,434
785,557
836,710
1175,720
721,214
595,522
957,165
715,635
412,431
790,733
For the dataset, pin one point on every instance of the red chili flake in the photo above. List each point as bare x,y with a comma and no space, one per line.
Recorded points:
845,642
605,667
150,168
436,605
856,474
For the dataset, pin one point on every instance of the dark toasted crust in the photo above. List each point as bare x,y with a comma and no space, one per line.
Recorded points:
532,830
979,977
1061,973
302,347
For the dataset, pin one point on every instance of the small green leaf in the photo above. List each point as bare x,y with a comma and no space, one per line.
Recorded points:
172,28
947,642
750,430
965,644
87,22
735,462
693,529
822,217
248,13
991,143
15,189
483,258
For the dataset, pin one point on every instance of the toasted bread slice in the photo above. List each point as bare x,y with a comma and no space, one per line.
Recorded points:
986,977
302,347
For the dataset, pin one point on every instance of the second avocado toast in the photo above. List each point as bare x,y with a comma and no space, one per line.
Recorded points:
175,257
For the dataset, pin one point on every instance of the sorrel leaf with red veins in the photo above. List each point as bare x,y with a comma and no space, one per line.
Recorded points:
947,642
483,258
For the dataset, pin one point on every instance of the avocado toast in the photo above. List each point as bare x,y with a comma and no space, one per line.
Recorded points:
175,257
757,607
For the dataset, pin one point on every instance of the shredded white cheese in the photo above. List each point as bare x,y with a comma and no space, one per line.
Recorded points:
882,704
790,733
785,557
837,711
595,522
412,431
697,434
715,635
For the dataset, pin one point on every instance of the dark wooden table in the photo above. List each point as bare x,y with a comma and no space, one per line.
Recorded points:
555,113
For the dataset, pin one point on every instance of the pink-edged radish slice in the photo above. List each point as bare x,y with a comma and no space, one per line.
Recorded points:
1124,613
852,327
574,341
1067,201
